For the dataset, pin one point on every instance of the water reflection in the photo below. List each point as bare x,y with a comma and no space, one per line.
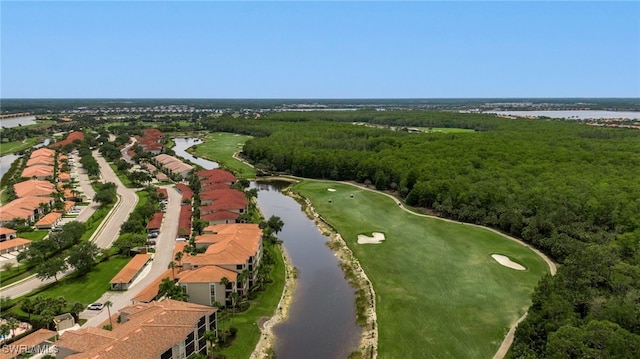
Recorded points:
321,322
181,150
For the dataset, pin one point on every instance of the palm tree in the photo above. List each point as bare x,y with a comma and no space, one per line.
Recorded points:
172,265
242,279
235,298
108,304
178,257
13,325
225,281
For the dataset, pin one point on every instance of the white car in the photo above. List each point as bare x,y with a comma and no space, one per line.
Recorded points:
95,306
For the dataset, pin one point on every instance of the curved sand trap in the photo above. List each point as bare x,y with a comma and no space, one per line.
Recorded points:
331,189
376,239
505,261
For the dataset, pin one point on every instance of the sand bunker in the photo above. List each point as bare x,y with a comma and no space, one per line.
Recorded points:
376,239
331,189
505,261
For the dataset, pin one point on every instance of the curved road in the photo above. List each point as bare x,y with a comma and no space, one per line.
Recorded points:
105,235
164,254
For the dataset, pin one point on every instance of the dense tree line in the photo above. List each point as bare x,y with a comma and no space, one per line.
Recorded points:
569,189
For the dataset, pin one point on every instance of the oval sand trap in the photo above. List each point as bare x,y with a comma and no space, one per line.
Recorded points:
376,239
331,189
505,261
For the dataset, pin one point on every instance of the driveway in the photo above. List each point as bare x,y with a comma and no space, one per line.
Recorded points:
164,254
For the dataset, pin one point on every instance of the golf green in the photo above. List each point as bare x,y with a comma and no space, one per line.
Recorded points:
439,292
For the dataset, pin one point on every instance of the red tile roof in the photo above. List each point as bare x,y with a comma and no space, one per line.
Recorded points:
37,171
75,135
15,242
49,219
21,345
155,221
34,188
217,175
207,274
185,190
147,331
150,292
131,269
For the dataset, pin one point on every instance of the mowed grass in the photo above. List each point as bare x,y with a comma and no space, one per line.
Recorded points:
88,288
439,293
34,235
11,147
220,147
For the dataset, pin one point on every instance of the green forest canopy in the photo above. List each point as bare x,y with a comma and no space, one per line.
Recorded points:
569,189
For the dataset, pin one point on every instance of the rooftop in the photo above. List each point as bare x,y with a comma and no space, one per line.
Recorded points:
131,269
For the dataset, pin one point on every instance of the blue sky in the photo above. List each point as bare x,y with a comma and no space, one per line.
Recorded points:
207,49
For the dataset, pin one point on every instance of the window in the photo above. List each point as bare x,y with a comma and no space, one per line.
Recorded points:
167,354
202,345
212,321
239,266
202,321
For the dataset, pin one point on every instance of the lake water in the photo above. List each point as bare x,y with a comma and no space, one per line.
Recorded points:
181,150
18,121
5,163
7,160
578,115
321,322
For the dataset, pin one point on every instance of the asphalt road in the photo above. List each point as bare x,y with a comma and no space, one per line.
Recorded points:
107,233
163,255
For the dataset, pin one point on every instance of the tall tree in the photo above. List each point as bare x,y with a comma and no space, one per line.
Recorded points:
51,268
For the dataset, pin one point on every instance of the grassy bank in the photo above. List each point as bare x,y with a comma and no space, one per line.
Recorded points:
439,293
220,147
17,146
263,306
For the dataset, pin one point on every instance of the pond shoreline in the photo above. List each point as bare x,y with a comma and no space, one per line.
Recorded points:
368,347
264,348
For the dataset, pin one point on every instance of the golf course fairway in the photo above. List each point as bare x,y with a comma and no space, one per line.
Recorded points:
439,293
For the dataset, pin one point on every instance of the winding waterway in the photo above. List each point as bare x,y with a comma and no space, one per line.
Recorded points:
321,321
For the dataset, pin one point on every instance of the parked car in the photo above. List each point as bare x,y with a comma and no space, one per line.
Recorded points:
180,239
95,306
153,235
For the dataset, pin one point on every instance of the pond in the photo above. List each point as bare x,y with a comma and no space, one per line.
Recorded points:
181,150
321,321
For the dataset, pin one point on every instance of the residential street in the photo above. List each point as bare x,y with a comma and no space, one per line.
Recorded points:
107,233
164,254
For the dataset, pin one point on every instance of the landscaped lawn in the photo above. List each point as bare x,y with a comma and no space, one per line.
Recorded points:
220,147
90,287
33,236
11,147
439,293
263,306
121,176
